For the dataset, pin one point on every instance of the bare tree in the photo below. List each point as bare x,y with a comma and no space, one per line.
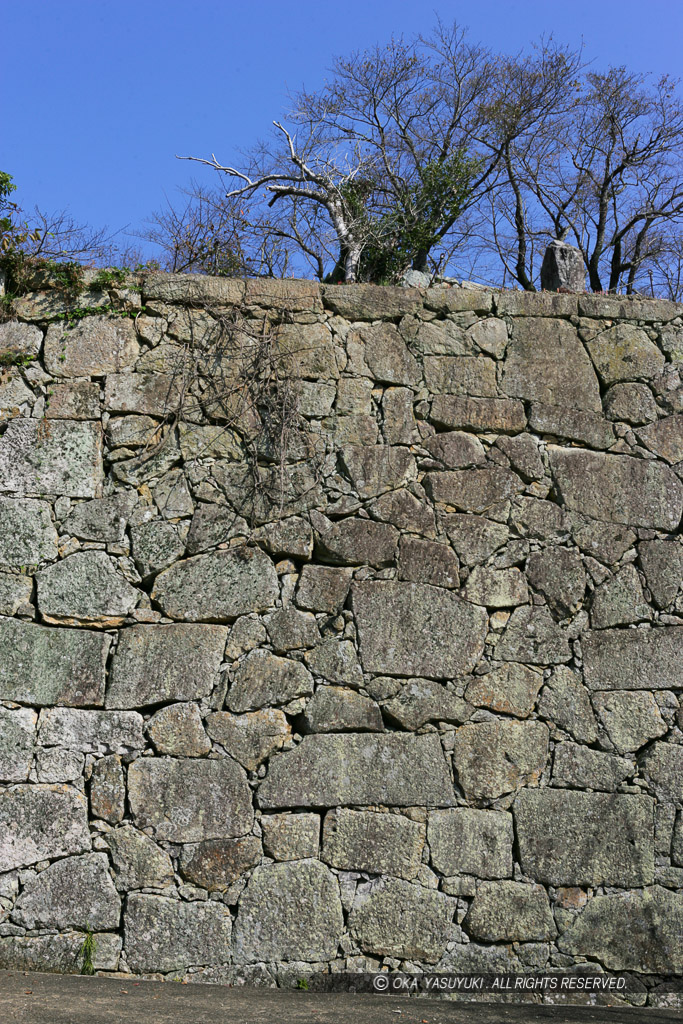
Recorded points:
56,237
606,172
310,174
382,152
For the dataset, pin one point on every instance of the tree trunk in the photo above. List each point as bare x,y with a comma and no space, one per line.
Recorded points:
520,228
420,261
615,267
593,273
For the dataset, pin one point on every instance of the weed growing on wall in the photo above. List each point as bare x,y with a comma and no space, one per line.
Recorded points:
87,952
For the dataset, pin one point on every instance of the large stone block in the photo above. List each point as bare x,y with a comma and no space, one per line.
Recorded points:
631,718
17,739
619,601
379,468
150,394
15,590
291,630
466,841
662,563
473,490
370,302
341,709
178,730
219,586
665,438
250,739
412,629
497,757
27,534
625,307
381,844
633,659
51,457
475,958
335,661
624,352
630,931
545,362
579,767
474,376
132,432
474,537
605,541
662,766
57,765
38,821
618,488
162,934
22,339
291,836
496,588
607,838
289,911
152,463
45,305
163,663
423,700
490,335
108,789
397,918
510,912
455,299
42,665
387,355
189,800
58,954
356,541
78,400
305,351
76,892
456,412
559,575
532,636
511,689
15,397
328,770
213,525
156,546
263,679
265,495
456,449
138,862
288,294
102,519
216,863
85,588
101,732
542,520
193,288
322,588
93,347
518,303
575,424
630,403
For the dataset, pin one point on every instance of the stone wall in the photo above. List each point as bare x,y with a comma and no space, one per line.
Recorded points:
371,660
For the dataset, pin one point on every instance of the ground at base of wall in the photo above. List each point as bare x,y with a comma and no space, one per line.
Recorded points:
55,999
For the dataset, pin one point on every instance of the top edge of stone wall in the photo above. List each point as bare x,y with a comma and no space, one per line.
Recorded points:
351,301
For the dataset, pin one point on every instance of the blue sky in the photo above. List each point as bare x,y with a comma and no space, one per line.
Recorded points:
99,96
